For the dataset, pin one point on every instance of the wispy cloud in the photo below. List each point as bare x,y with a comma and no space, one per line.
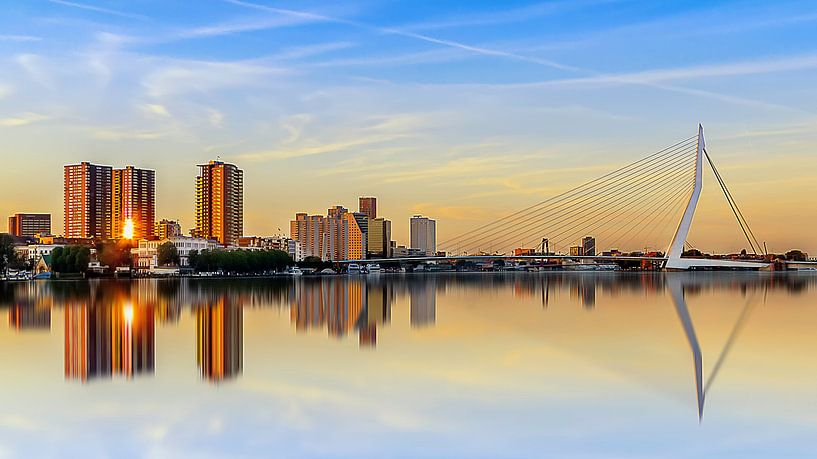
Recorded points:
174,76
408,34
119,134
521,14
156,109
19,38
22,120
98,9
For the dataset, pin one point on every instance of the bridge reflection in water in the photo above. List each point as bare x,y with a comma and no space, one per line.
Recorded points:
109,327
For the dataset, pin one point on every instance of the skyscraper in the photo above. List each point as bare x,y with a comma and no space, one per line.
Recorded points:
424,234
589,246
379,238
309,231
87,200
368,205
29,224
134,200
220,202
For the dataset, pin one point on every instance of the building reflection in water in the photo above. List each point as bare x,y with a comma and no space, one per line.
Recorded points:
103,341
29,317
220,340
423,295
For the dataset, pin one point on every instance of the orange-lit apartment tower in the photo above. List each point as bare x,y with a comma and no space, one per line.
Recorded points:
134,198
220,202
87,200
309,230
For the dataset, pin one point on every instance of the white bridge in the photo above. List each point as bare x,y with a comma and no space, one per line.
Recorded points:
631,205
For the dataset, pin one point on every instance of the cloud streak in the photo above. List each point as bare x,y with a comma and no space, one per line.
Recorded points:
97,9
22,120
408,34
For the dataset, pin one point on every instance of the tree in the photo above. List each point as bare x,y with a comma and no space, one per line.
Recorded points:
193,259
168,254
8,256
70,259
796,255
113,254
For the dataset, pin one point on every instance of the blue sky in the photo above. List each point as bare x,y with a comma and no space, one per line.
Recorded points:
442,108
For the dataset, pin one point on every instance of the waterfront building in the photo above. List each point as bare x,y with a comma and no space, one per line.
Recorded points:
577,251
589,246
424,234
368,205
164,229
401,251
309,231
295,251
379,238
219,202
87,201
29,225
133,203
34,252
263,243
146,254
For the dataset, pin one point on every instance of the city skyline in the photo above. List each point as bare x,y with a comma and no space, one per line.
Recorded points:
458,115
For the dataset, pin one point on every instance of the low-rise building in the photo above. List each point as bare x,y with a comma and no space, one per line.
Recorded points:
295,250
146,255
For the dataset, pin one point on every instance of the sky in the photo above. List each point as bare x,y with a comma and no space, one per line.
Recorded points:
460,110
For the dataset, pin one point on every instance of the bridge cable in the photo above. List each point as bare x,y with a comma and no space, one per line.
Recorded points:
744,225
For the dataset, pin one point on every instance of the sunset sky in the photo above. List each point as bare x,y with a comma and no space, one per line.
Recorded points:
460,110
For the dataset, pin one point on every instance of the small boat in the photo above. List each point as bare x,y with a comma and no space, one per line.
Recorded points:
373,268
43,275
294,271
355,268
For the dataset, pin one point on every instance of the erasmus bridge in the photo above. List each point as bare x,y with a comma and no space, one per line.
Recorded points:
627,207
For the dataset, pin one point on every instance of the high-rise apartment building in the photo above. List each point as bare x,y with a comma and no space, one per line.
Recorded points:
379,238
220,202
165,229
134,201
87,200
368,205
424,234
589,246
27,225
309,231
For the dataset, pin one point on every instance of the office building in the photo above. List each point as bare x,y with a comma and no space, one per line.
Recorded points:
133,203
27,225
424,234
294,250
379,238
589,246
576,251
368,205
88,196
220,202
167,228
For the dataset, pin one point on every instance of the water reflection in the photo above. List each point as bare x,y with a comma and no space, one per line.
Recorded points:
110,326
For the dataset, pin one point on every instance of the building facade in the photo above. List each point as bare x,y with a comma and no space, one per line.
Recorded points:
88,196
368,205
146,254
167,228
220,202
379,240
27,225
589,246
134,200
310,232
424,234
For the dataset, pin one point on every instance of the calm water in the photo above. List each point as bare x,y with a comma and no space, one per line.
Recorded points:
485,365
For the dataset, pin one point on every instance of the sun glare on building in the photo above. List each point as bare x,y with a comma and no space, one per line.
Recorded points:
127,230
